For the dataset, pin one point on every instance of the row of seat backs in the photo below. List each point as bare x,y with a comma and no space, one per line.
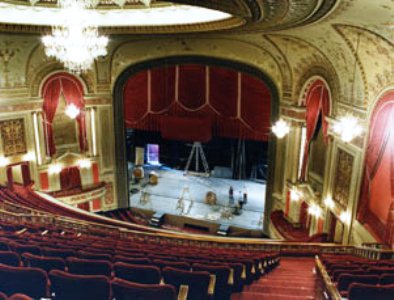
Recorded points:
17,296
345,280
34,282
362,291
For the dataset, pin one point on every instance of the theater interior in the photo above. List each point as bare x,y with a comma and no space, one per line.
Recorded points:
196,150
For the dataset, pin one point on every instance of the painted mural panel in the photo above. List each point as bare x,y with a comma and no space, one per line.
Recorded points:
343,176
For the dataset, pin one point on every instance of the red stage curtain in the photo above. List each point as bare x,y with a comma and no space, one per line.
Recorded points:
379,152
70,178
237,104
72,90
193,129
191,86
317,105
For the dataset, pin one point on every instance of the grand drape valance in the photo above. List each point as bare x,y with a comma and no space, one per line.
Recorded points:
317,106
234,104
72,90
377,191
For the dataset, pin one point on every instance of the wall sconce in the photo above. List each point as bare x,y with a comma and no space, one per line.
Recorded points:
72,111
84,163
281,128
30,156
295,195
55,168
315,210
4,161
345,217
347,128
329,202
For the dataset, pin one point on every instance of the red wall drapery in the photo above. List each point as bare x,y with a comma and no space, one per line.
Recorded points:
70,178
72,90
238,104
317,105
380,150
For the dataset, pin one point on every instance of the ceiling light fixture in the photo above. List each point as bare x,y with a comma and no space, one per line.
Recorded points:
281,128
329,202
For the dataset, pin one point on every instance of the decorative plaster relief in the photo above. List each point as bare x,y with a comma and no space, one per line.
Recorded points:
343,176
13,137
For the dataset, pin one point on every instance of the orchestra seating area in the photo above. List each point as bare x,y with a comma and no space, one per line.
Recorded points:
74,258
43,260
359,278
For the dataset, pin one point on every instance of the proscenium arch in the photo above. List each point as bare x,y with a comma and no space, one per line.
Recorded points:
121,174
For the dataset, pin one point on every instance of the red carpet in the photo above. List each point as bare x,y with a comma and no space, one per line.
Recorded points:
294,279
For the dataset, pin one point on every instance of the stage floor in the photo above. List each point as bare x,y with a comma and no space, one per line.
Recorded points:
165,196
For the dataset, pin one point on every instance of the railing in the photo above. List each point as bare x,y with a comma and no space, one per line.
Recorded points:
191,240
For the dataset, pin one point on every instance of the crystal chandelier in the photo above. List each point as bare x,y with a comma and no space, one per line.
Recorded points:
75,42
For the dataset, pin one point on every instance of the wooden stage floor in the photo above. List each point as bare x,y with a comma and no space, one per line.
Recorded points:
165,195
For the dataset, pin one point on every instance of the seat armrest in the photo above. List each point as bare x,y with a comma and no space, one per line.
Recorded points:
211,286
231,277
183,291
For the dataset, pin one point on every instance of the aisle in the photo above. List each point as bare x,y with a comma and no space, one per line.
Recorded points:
293,279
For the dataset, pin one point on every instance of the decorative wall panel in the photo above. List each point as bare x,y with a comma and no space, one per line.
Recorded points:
343,176
13,137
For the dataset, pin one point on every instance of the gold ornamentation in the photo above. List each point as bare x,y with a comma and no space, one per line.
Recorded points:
13,137
343,176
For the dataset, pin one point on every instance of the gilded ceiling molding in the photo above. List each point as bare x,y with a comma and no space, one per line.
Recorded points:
305,60
374,54
129,52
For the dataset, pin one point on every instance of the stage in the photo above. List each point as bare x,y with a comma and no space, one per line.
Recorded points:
164,197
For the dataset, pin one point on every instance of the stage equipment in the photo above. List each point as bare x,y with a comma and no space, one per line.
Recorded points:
157,219
138,173
153,178
223,230
145,197
210,198
198,152
139,156
185,194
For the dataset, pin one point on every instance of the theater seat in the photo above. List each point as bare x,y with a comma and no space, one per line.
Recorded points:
345,280
42,262
89,266
137,273
9,258
3,296
224,279
91,255
361,291
126,290
19,297
68,286
133,261
62,253
386,279
4,247
198,282
173,264
30,281
23,248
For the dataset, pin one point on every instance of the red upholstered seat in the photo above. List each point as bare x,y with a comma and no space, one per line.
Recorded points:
9,258
174,264
137,273
386,279
222,286
89,266
345,280
91,255
25,248
361,291
133,261
19,297
62,253
30,281
197,282
335,275
42,262
126,290
380,270
3,296
68,286
4,246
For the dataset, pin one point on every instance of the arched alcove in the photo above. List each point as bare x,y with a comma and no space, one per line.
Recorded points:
377,190
139,71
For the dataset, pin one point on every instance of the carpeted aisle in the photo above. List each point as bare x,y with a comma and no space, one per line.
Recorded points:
293,279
